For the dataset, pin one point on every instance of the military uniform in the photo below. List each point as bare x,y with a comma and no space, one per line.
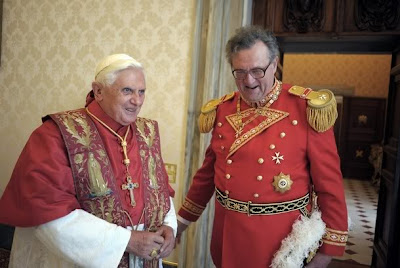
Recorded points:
262,163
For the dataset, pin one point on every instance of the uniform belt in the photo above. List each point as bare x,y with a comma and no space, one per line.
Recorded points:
261,209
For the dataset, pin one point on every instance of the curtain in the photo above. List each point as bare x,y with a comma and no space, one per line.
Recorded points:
216,21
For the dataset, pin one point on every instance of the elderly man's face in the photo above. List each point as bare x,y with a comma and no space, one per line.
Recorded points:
124,98
257,56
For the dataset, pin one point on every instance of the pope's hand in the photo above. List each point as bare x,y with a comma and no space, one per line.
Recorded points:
169,240
142,243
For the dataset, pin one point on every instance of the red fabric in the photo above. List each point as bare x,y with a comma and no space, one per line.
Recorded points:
239,239
89,98
41,188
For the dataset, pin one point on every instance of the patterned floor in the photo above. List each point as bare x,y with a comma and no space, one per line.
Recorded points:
362,203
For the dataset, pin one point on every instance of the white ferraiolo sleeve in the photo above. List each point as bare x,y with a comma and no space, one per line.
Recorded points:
84,239
170,218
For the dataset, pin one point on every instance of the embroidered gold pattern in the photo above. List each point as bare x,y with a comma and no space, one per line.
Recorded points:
192,207
98,187
335,237
273,116
93,178
236,120
103,211
260,209
147,137
70,120
146,130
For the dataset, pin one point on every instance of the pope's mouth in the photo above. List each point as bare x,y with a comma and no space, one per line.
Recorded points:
131,110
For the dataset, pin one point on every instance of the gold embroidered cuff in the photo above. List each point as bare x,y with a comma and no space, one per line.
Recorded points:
192,207
335,237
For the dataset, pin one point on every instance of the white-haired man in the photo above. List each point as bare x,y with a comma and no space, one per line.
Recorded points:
90,188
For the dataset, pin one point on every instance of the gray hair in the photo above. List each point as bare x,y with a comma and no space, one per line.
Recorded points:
246,37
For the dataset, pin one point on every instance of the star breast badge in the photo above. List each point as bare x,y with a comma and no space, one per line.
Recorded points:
282,183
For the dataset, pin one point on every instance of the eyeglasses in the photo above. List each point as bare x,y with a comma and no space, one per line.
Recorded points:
256,73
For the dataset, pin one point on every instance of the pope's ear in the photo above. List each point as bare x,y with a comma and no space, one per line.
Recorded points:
97,90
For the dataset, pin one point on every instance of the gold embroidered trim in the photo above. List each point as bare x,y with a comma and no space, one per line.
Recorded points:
261,209
335,237
192,207
273,116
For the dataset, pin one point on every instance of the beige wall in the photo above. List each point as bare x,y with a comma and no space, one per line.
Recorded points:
367,75
49,52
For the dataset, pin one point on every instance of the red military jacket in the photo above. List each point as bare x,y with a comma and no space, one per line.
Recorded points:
245,168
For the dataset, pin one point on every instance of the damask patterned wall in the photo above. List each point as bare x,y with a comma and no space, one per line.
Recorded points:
50,49
368,75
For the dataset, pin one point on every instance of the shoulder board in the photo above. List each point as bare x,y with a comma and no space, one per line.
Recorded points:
228,96
213,104
208,112
321,110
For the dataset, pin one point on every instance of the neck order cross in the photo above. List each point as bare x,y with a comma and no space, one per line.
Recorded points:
129,185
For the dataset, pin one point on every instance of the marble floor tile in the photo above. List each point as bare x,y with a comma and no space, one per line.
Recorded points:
362,201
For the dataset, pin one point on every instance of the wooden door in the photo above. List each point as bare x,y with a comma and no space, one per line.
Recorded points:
387,233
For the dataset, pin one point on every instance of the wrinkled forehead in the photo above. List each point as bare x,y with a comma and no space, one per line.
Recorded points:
131,77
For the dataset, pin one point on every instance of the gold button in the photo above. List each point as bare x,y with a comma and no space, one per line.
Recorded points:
256,195
219,124
228,176
260,160
272,146
283,134
294,122
229,161
259,178
220,136
226,192
222,148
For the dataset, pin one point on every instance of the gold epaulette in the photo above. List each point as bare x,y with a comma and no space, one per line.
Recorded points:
209,112
321,110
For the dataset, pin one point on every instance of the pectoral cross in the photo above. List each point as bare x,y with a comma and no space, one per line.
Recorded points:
130,186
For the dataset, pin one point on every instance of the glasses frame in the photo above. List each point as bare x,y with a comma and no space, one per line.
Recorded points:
250,72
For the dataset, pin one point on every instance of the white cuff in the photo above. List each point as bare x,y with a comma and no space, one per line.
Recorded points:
182,220
170,218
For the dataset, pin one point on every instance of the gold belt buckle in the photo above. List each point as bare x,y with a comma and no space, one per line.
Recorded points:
248,208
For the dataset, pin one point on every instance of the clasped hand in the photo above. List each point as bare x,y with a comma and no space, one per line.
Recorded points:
142,243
